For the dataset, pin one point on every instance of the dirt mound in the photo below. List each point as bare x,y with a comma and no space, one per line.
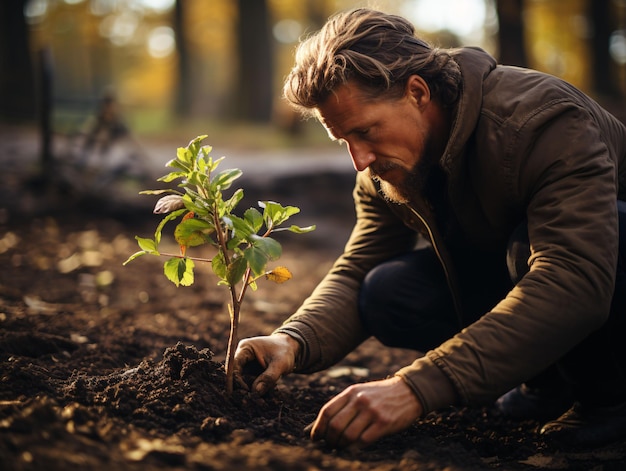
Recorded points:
182,393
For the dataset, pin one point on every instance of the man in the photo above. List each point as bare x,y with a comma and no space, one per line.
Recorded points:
515,178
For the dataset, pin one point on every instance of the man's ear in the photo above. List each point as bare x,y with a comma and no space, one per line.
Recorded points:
418,90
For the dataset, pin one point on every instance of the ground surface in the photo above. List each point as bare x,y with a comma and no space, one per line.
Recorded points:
108,367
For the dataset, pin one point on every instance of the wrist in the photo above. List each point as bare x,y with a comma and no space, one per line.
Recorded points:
418,407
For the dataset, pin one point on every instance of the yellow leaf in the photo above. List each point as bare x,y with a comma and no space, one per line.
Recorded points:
278,275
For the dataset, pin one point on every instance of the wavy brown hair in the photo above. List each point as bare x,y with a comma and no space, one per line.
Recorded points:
378,51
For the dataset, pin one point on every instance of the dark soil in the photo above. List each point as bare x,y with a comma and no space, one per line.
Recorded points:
106,367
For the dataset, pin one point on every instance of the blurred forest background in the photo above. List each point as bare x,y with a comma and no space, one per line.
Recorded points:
192,66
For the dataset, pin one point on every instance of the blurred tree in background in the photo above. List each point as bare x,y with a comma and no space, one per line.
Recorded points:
17,74
512,48
254,99
220,60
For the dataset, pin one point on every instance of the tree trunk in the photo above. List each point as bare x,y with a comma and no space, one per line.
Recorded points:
602,76
182,105
511,33
253,101
17,79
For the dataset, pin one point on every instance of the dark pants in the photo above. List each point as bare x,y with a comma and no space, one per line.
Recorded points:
406,303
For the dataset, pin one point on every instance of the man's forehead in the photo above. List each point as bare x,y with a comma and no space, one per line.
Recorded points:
333,125
337,111
326,125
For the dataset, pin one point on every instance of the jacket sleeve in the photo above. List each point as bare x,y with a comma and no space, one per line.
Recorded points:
562,172
327,324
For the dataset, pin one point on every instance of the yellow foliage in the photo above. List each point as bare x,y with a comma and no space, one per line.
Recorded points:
557,39
279,275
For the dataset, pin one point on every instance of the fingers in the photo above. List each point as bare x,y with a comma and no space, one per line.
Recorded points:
365,412
348,428
273,353
336,436
264,383
343,420
245,354
356,431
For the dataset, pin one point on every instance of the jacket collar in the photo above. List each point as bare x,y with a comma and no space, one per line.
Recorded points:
475,65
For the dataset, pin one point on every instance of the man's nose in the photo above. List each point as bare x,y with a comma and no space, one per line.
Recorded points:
361,157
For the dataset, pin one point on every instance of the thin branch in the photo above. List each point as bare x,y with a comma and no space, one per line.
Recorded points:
246,283
195,259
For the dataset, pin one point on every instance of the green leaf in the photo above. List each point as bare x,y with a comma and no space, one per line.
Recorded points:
193,232
235,241
224,179
213,164
218,265
269,246
275,214
233,201
134,256
202,164
205,150
172,176
257,259
160,192
254,218
296,229
200,210
197,178
169,217
241,228
193,196
183,153
194,144
179,271
262,251
147,245
176,163
236,270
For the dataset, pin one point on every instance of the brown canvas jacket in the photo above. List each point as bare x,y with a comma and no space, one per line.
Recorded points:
523,145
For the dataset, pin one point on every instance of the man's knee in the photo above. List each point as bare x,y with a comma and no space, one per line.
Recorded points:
405,302
414,279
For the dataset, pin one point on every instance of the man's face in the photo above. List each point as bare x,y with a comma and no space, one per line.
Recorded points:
390,138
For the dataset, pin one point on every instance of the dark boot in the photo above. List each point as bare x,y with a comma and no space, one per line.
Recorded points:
587,427
544,397
525,402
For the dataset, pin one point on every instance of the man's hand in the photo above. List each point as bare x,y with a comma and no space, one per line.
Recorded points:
275,353
363,413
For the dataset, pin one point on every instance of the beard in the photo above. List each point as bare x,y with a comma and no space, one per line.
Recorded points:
396,193
410,183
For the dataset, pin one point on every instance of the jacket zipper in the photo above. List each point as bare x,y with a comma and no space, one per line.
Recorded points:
455,300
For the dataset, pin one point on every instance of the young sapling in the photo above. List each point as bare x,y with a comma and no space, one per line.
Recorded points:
243,246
